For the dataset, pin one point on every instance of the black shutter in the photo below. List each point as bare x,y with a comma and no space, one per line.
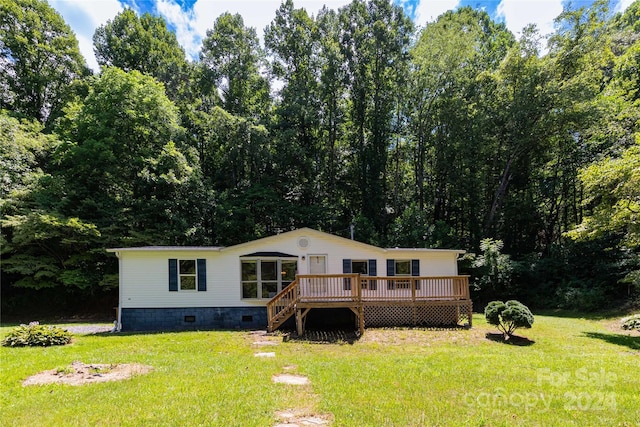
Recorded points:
373,271
391,267
415,267
346,266
373,267
202,274
391,271
346,269
415,271
173,275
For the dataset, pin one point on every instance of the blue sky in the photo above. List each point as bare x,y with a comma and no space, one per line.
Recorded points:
190,19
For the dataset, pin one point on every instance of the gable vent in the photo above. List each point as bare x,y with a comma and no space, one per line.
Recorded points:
303,242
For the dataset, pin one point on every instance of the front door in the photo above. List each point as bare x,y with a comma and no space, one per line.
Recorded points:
317,265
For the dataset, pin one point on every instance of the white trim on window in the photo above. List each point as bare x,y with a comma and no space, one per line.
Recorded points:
264,289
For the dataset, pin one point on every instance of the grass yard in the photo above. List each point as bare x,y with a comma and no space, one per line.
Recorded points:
577,372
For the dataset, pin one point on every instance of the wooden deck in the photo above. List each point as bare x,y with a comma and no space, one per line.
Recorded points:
398,300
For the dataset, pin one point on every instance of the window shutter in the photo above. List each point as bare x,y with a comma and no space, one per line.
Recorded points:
346,266
415,271
391,271
373,267
373,271
346,269
173,275
391,267
202,274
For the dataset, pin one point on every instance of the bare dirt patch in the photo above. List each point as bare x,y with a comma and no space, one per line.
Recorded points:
615,326
79,373
291,418
426,336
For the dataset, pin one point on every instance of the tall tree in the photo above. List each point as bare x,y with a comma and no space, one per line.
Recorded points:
375,39
144,44
292,41
233,56
39,58
123,170
449,129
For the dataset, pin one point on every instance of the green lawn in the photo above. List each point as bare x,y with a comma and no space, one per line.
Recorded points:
575,371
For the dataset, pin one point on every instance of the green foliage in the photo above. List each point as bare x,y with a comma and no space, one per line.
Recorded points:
508,316
492,270
36,335
24,155
233,57
631,323
45,59
145,44
612,186
46,251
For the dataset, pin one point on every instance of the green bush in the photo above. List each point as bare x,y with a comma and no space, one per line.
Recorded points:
508,316
631,323
36,335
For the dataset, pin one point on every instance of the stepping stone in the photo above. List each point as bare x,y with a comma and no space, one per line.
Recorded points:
290,367
265,343
261,333
290,379
265,355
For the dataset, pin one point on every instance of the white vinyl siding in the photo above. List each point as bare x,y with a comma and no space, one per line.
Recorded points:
145,276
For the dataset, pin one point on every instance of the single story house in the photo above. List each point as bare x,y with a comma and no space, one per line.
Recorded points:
264,282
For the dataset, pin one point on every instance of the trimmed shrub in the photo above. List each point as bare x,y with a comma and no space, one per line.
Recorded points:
36,335
508,316
631,323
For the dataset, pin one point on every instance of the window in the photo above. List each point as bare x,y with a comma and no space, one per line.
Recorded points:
187,275
264,278
249,279
361,267
403,267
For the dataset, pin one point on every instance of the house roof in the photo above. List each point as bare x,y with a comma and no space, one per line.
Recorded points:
305,231
168,248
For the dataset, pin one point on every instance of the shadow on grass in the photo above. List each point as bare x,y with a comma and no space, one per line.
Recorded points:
570,314
618,339
324,337
162,332
514,340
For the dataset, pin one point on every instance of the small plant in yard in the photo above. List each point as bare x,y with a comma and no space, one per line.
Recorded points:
508,316
631,323
36,335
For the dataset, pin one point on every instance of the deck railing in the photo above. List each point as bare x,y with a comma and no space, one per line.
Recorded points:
282,306
399,288
354,289
329,288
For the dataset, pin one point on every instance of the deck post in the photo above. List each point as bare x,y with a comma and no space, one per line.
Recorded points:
299,324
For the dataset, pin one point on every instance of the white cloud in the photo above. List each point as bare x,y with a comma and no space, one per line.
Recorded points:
84,17
191,26
255,13
622,5
517,14
429,10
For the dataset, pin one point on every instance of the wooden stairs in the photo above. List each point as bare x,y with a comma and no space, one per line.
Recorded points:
283,305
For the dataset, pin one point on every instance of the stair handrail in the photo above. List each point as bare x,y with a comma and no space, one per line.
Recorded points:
275,308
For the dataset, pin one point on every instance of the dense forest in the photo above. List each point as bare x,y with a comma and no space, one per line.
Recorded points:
525,151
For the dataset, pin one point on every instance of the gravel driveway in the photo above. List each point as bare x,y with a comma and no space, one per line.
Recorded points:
88,329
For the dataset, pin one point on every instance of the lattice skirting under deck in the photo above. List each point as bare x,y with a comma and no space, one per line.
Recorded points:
441,314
